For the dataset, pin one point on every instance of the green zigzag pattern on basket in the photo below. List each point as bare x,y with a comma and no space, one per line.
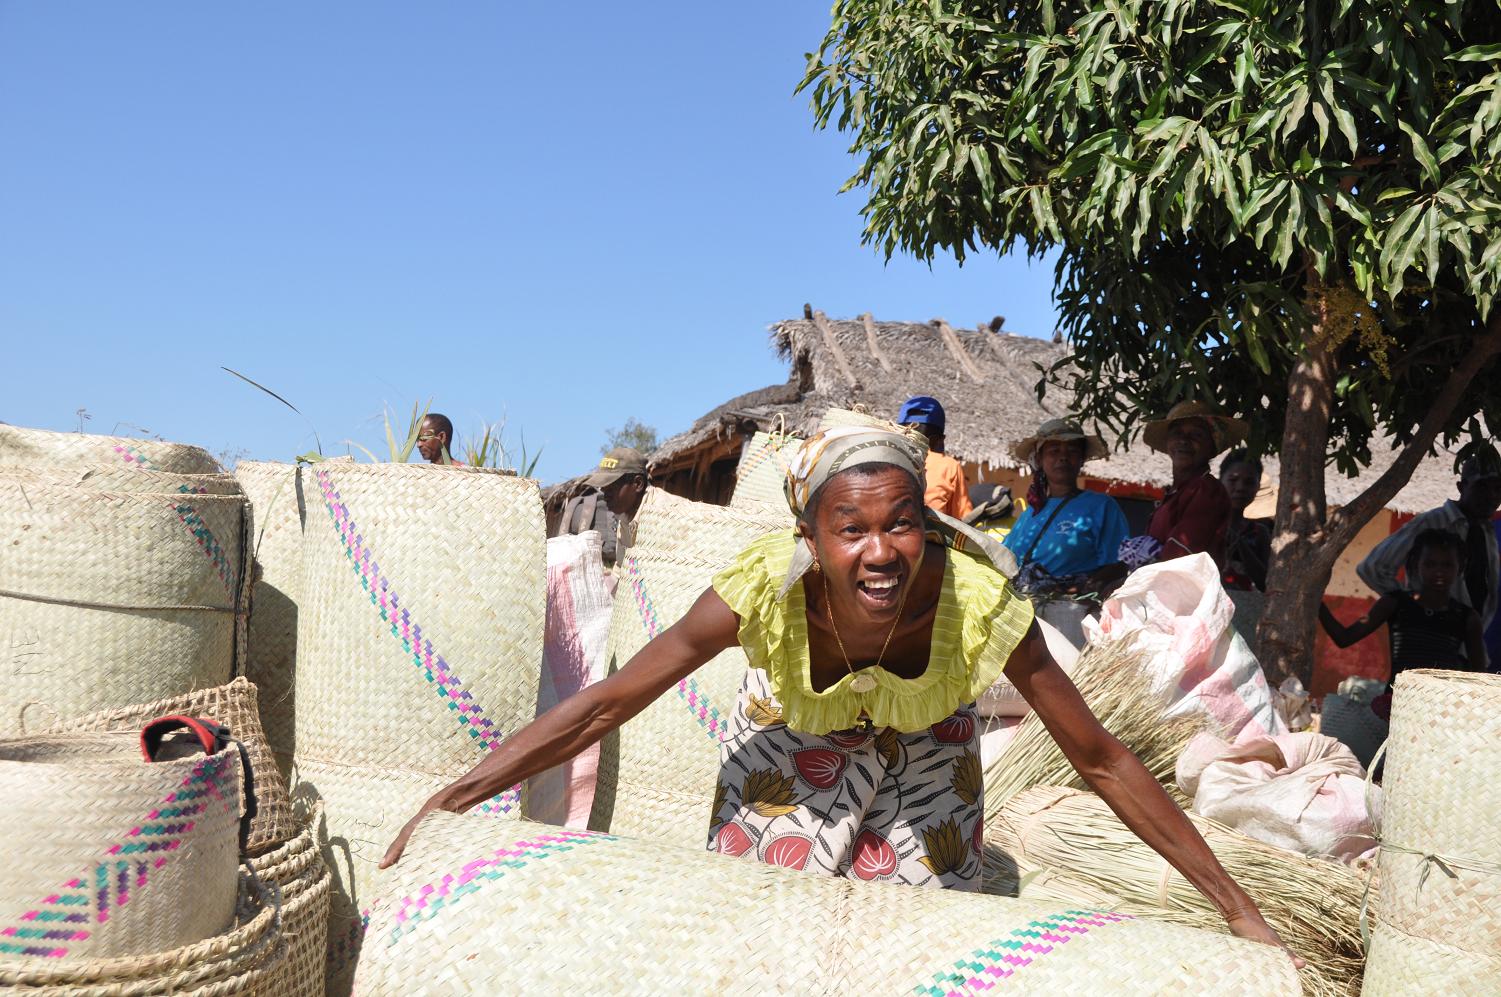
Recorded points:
767,451
434,667
64,916
989,967
432,898
188,516
703,711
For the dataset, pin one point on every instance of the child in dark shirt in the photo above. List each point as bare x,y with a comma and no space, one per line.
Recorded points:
1428,628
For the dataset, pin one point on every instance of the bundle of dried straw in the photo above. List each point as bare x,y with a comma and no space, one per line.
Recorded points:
1066,845
1113,680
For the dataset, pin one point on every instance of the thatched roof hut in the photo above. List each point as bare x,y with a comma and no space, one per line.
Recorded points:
987,380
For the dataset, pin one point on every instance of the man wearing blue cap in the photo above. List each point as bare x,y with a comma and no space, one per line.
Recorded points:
947,490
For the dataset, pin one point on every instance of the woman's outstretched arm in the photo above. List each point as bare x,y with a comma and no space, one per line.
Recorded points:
1124,783
579,721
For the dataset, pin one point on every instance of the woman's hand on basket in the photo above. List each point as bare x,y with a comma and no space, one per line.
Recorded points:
393,854
1250,924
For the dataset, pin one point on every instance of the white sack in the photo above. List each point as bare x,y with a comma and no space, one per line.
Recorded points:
1303,792
573,656
1178,612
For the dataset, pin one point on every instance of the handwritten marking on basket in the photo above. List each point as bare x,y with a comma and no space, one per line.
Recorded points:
1003,958
432,664
127,866
698,704
433,897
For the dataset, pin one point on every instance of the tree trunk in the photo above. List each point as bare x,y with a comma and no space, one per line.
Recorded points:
1308,539
1301,560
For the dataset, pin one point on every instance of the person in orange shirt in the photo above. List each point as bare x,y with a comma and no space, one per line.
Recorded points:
947,492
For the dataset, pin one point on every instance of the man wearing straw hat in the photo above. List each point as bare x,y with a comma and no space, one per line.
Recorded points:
868,772
1194,514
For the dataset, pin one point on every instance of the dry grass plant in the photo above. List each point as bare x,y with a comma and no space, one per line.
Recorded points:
1112,679
1067,846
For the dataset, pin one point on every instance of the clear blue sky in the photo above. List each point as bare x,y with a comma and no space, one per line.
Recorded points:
566,216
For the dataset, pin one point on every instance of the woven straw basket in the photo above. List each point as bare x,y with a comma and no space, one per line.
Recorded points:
419,645
106,854
302,881
475,907
233,705
44,448
657,776
127,478
275,541
763,471
243,961
112,597
1438,928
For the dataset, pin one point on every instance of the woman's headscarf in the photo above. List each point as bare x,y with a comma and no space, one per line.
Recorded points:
837,448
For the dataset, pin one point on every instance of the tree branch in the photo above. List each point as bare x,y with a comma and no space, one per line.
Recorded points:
1347,521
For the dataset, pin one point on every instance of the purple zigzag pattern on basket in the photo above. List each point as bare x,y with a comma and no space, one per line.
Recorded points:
989,967
428,901
432,664
65,916
703,711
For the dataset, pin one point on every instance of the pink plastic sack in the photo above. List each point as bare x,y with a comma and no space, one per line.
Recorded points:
1178,612
1303,792
573,657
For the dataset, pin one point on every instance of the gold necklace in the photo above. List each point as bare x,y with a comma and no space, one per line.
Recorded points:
866,680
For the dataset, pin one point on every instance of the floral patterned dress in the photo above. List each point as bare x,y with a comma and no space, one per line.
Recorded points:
880,785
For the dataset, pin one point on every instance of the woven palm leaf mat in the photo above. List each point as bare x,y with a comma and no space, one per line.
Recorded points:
235,706
45,448
1438,927
419,645
762,473
123,477
106,855
657,773
275,493
245,960
113,597
477,906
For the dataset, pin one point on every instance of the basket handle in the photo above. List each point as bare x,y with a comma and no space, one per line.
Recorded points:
212,737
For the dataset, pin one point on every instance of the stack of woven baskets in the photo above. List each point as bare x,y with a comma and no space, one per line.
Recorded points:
120,573
122,597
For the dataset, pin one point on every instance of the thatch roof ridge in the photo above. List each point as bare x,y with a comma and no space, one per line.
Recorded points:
984,418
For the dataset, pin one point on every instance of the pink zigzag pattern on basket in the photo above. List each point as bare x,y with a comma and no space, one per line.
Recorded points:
428,901
434,668
703,711
989,967
64,917
134,456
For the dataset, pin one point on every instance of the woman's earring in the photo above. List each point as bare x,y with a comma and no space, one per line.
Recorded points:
816,566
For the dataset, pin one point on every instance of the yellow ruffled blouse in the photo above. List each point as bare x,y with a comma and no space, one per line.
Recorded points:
980,621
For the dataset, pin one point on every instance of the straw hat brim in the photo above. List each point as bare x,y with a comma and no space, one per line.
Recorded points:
1228,432
1094,446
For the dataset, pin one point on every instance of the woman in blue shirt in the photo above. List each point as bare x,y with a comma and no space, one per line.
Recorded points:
1066,541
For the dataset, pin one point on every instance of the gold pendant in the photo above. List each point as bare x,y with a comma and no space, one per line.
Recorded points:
862,682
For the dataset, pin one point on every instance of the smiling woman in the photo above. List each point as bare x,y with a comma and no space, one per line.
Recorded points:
870,631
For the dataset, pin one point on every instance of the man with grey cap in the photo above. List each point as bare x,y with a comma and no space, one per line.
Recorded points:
613,495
